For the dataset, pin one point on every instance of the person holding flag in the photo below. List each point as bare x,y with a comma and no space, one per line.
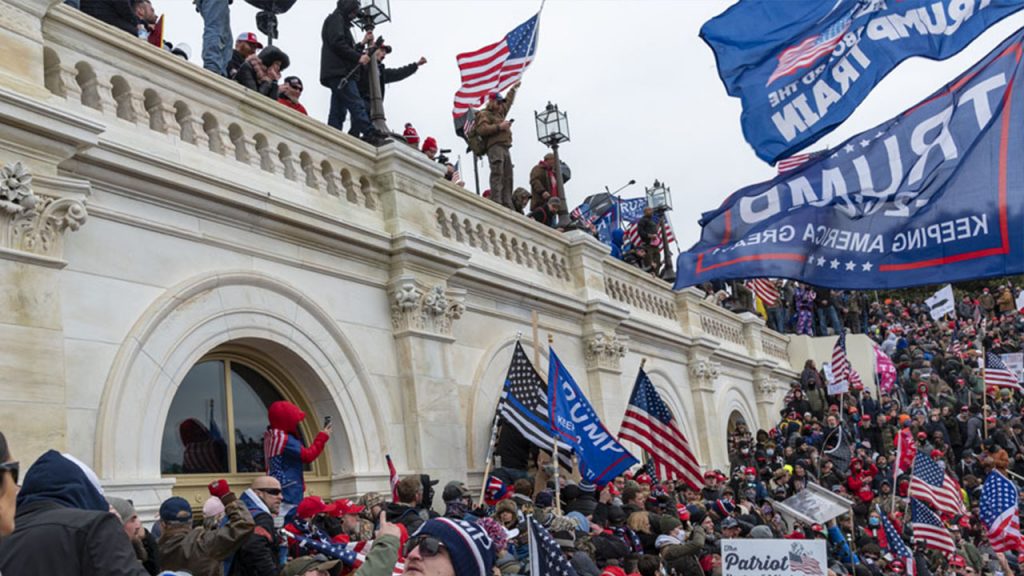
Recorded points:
493,124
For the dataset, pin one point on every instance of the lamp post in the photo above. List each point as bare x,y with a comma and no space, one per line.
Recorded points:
552,130
659,199
372,13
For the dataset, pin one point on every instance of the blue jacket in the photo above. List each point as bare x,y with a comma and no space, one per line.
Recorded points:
284,452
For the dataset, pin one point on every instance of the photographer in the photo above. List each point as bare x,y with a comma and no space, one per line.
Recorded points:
387,75
340,59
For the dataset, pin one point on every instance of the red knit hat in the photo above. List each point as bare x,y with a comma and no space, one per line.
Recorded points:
411,136
430,144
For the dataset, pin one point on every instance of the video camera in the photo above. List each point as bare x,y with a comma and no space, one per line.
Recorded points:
442,157
379,44
266,18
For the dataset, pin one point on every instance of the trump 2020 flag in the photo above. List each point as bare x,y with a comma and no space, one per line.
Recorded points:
801,67
575,422
934,192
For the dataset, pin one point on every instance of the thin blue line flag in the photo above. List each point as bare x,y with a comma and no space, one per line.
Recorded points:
575,422
935,193
801,67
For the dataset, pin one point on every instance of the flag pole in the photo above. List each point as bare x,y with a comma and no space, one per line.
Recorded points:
476,173
495,429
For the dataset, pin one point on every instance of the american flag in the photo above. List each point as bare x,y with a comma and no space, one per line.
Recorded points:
630,236
897,546
524,405
804,563
930,483
495,67
797,160
457,173
928,528
997,374
810,50
841,367
765,290
999,512
954,343
495,491
546,558
649,424
392,478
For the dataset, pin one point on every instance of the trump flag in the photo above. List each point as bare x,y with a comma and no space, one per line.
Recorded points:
801,67
934,190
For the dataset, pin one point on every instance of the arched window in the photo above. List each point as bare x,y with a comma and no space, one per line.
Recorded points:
218,416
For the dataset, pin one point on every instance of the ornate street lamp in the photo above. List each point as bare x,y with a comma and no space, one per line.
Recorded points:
659,199
552,130
371,14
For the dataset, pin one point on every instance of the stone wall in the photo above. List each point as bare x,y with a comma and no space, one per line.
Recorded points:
176,212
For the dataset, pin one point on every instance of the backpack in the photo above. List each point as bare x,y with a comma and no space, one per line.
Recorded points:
474,141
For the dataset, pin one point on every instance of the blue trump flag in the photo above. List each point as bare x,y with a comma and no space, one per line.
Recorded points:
935,194
801,67
574,421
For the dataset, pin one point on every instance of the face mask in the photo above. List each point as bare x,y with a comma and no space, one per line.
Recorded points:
770,452
873,521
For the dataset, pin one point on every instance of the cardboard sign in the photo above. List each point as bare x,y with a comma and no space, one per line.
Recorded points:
774,558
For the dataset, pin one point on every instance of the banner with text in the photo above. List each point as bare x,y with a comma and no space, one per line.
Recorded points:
774,558
932,191
802,68
573,419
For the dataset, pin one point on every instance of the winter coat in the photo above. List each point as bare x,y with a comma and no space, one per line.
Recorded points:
398,513
235,63
1005,301
488,122
285,453
683,557
987,302
258,555
201,552
117,13
387,76
543,180
63,527
248,76
339,53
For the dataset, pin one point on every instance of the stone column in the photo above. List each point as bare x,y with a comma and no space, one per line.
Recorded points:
21,25
703,374
603,350
766,390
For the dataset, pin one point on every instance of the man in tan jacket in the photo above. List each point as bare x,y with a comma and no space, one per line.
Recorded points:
492,125
199,551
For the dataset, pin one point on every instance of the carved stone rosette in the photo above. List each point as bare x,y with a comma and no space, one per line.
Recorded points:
766,388
704,373
433,310
604,350
31,222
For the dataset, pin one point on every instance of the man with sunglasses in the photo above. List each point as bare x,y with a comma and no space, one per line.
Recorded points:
260,551
449,547
290,92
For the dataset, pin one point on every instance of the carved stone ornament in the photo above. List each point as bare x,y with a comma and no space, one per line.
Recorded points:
766,388
705,372
603,350
433,310
34,223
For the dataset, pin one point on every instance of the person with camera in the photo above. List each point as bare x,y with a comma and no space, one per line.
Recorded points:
492,125
261,72
340,61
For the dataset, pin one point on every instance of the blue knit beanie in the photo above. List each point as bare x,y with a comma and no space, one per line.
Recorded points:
469,547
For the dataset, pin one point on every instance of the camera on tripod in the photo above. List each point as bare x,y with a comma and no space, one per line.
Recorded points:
442,156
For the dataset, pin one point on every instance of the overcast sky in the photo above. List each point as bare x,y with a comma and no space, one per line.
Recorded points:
640,87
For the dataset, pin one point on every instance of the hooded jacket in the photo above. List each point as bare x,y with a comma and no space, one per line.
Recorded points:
201,551
64,527
284,452
339,53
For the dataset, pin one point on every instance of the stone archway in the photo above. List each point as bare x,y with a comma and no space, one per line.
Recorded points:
197,316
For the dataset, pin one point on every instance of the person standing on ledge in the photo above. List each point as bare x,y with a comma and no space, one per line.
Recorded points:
286,454
492,125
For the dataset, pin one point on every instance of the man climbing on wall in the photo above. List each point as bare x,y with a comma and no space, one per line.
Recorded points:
285,453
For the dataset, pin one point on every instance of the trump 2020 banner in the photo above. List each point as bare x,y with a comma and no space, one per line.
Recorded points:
573,419
774,558
935,194
801,67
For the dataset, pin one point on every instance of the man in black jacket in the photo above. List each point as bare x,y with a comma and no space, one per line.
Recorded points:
340,56
118,13
387,76
258,554
64,525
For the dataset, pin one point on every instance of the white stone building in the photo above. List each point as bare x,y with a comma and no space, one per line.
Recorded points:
196,251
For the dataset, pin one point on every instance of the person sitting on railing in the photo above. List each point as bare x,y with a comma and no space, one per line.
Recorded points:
412,137
245,45
118,13
548,213
261,73
290,92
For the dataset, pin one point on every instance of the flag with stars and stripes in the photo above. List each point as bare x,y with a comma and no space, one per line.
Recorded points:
495,67
897,547
930,483
999,512
546,557
524,405
928,528
648,423
842,370
766,290
457,173
997,374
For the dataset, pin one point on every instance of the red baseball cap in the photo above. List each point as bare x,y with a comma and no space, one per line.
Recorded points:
249,37
958,561
309,507
936,454
340,508
750,470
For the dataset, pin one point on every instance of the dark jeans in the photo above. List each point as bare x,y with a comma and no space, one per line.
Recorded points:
347,99
777,319
828,317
